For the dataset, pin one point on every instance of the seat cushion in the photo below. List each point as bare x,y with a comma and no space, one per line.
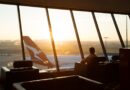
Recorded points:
60,83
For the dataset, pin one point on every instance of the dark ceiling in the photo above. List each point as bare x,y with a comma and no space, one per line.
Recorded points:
108,6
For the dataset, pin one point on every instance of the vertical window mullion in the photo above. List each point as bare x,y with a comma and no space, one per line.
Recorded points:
77,35
21,33
99,35
117,29
52,40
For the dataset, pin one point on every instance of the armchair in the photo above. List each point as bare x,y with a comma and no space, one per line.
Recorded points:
22,71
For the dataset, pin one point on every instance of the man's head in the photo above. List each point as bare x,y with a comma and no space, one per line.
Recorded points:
92,50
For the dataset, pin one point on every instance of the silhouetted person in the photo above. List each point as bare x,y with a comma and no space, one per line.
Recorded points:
91,59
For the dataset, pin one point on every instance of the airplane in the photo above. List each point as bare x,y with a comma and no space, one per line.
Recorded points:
37,56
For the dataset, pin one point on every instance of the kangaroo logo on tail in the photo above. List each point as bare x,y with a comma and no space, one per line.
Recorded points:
35,52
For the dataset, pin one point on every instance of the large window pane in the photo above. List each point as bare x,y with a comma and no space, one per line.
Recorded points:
109,34
87,32
35,25
128,30
64,37
123,22
10,47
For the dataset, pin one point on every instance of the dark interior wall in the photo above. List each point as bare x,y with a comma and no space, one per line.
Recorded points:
110,6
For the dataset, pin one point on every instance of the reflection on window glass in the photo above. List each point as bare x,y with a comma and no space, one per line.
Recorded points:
35,25
109,34
87,32
10,47
64,37
123,22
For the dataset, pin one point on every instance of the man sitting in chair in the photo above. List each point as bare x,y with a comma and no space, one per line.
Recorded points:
91,59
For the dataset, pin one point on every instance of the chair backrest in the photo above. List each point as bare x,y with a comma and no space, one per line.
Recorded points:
102,59
19,64
115,57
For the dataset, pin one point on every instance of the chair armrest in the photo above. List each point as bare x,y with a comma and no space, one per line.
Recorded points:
5,69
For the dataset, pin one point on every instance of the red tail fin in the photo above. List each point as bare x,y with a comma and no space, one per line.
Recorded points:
36,54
